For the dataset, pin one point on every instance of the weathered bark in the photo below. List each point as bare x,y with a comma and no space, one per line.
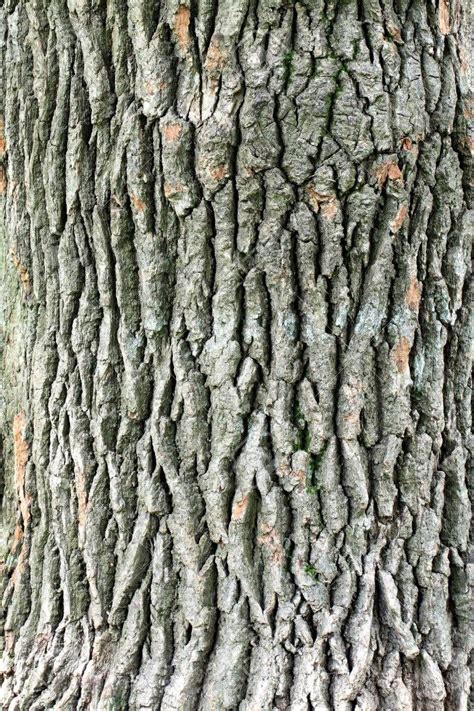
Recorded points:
236,354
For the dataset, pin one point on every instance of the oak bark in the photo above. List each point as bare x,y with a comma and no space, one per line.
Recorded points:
236,341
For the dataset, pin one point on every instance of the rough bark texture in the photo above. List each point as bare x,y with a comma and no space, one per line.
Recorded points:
236,354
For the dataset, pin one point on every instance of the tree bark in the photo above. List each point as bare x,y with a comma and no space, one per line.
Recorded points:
235,354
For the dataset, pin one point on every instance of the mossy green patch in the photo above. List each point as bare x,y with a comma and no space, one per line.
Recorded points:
288,65
311,571
312,484
303,435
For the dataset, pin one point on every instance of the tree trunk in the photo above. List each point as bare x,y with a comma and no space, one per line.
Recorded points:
235,355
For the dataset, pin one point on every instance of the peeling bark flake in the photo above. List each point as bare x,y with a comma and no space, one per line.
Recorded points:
172,131
21,453
181,27
388,171
413,294
23,273
399,219
3,144
401,354
444,23
215,59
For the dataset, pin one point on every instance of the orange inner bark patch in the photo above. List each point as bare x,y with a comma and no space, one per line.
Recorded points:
394,32
283,470
468,111
214,59
22,273
137,203
401,354
3,180
387,171
2,137
240,508
151,86
444,25
171,190
313,197
399,219
270,539
352,393
323,200
17,538
329,209
407,144
181,27
172,131
21,564
20,450
9,640
300,475
219,173
413,294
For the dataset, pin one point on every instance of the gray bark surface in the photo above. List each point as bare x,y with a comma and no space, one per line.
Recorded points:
236,348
